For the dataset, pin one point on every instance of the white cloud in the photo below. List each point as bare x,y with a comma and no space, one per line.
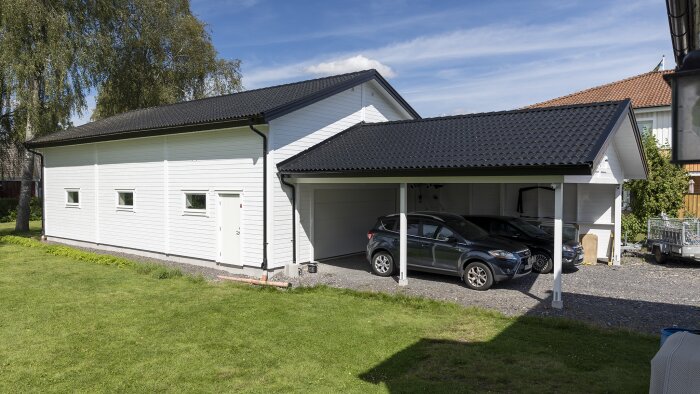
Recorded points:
350,64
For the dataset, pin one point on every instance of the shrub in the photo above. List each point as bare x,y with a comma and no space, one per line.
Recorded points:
664,188
7,205
35,208
631,227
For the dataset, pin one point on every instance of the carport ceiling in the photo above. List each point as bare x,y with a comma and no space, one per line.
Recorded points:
566,140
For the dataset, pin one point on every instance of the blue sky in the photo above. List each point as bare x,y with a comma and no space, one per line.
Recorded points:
444,57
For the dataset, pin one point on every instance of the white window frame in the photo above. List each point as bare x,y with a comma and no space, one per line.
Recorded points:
651,120
120,207
73,204
191,211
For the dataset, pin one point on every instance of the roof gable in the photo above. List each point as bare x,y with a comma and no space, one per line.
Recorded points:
554,140
645,90
252,106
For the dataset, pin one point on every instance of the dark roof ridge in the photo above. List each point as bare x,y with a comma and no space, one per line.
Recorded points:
234,93
502,112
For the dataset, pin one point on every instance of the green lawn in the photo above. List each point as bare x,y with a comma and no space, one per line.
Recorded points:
70,324
34,227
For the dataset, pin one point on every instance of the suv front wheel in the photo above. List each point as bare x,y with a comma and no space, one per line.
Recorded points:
543,263
382,264
478,276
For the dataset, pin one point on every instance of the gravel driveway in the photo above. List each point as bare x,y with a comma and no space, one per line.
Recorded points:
639,295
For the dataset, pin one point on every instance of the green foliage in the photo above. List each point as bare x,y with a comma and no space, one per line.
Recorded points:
631,226
35,209
7,205
160,54
662,191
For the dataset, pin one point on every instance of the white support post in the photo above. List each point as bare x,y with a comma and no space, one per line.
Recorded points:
617,236
403,238
558,213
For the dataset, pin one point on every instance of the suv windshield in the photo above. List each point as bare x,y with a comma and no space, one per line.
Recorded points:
466,229
528,228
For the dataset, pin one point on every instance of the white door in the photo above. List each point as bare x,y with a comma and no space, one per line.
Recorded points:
230,228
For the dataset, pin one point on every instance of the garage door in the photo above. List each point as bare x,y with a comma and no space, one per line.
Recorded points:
342,218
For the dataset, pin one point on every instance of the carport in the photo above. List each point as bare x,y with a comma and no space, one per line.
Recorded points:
579,154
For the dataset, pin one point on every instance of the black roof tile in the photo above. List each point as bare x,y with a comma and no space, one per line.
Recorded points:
554,140
259,105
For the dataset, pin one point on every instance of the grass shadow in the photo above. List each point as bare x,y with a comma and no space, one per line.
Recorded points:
8,228
529,354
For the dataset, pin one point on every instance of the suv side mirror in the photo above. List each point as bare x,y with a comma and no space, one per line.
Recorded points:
451,239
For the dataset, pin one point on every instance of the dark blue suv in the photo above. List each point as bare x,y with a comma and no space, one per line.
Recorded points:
447,244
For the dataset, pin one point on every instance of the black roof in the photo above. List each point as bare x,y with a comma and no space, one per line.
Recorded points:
247,107
555,140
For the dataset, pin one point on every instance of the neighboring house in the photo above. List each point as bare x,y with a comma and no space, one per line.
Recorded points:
651,101
187,181
11,172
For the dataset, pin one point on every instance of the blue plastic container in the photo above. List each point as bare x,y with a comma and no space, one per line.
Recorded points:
667,332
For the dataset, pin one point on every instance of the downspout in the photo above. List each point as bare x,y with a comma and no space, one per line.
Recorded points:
263,266
41,194
294,216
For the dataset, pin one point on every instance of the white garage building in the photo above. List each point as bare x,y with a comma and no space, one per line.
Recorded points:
265,179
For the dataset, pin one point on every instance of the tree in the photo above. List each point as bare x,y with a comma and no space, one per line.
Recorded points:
662,191
161,54
46,54
136,53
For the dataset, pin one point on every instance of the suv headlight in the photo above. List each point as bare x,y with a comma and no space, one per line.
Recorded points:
502,254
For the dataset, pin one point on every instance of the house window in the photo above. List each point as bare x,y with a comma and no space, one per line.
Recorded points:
125,199
645,126
196,201
72,197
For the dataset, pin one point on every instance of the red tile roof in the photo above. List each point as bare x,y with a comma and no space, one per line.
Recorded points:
645,90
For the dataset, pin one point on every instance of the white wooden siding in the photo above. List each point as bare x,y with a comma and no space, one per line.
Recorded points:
609,170
159,170
70,167
136,165
302,129
661,123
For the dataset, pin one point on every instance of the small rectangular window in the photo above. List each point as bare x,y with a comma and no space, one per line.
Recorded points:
125,199
196,201
72,198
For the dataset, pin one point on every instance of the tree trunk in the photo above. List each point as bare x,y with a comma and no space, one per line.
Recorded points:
25,193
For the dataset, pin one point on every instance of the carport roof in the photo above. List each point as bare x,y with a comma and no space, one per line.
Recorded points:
565,140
